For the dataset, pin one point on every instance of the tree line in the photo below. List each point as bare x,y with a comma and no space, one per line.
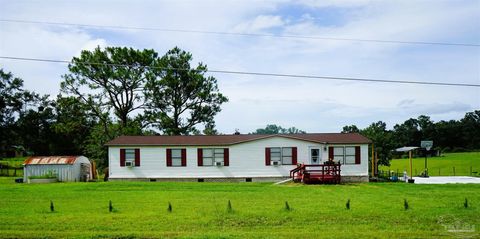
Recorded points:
106,93
447,136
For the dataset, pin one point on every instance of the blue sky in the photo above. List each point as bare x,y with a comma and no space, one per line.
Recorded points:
310,104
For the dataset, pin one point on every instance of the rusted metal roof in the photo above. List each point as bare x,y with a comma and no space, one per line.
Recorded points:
51,160
212,140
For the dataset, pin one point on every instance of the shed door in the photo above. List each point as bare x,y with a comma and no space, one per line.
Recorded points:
84,172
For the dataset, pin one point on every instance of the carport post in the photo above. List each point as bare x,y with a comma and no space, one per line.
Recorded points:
411,180
411,166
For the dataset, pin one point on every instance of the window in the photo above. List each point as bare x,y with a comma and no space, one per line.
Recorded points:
281,156
129,154
214,156
286,155
176,157
129,157
275,154
349,155
345,154
218,155
208,157
338,154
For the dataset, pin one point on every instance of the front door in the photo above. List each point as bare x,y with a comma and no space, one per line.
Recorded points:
315,156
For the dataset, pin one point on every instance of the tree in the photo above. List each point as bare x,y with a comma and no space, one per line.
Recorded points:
34,127
276,129
181,97
13,102
210,129
427,127
408,133
350,129
293,130
73,124
471,130
94,144
110,80
383,140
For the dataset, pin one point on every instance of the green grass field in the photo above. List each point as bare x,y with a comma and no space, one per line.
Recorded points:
440,166
200,210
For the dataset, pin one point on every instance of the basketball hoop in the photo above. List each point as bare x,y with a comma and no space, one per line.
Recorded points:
427,145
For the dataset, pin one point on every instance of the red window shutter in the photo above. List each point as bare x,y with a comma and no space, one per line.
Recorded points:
226,157
200,157
357,155
267,156
330,152
122,157
169,157
137,157
184,157
294,156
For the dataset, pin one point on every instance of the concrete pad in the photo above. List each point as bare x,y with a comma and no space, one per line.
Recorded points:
446,179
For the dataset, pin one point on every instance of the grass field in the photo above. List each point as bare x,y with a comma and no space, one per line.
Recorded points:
440,166
200,210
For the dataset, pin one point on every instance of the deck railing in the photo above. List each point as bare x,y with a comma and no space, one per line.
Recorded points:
316,173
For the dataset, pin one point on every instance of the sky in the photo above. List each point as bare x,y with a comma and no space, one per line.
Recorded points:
313,105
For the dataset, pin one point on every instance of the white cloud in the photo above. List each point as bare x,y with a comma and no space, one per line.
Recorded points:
91,45
333,3
261,22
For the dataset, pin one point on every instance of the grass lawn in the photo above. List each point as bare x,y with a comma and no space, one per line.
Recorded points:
440,166
200,210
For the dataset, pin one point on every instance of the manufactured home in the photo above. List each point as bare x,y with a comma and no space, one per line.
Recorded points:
238,158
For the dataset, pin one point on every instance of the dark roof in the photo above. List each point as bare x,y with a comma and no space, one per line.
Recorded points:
206,140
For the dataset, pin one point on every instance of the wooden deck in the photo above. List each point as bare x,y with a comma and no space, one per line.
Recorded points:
316,173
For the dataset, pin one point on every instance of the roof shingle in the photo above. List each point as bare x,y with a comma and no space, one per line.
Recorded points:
213,140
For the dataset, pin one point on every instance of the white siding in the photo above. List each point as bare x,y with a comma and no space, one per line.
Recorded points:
246,160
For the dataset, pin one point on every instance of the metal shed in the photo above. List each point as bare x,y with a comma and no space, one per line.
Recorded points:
67,168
